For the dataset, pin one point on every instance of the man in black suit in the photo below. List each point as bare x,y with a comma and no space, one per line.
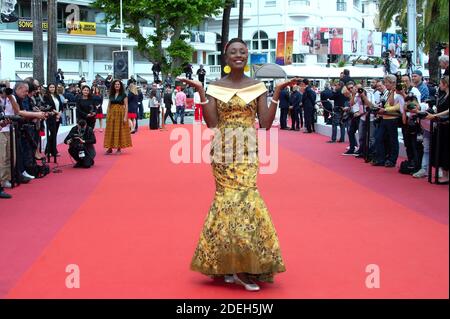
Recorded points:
309,101
284,108
325,95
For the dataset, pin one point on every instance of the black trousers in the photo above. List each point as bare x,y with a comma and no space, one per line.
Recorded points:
283,117
309,119
154,118
169,113
295,112
52,128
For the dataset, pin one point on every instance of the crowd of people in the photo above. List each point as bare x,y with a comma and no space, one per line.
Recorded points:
378,112
30,111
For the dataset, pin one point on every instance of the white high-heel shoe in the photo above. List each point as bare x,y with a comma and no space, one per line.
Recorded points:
229,279
248,287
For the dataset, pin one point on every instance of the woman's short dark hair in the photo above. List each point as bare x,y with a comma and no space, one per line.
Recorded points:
234,40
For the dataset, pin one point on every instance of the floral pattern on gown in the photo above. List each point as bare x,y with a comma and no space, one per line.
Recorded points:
238,235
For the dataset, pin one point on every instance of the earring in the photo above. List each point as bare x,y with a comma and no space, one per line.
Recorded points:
227,69
247,68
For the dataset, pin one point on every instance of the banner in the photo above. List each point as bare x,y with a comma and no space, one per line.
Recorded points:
121,64
336,41
82,28
281,48
391,41
362,42
289,54
26,24
315,40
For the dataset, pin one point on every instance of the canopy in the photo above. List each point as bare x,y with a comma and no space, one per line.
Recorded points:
269,71
141,80
322,72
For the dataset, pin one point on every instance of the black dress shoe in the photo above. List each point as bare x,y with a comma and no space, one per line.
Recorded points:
378,164
24,180
331,142
389,164
3,195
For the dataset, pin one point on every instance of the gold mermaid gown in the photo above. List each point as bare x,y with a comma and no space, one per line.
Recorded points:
238,235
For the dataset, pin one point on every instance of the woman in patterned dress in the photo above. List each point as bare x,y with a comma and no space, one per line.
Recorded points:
238,242
117,129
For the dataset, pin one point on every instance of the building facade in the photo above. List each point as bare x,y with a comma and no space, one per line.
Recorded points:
86,55
80,55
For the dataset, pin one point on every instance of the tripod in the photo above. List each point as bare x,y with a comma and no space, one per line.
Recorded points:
409,65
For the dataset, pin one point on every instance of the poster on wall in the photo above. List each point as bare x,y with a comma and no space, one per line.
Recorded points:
7,14
362,42
336,41
289,54
391,41
281,41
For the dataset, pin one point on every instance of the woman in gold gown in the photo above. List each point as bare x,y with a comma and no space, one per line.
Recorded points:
238,241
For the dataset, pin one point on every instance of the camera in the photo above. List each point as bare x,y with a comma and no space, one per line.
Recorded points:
411,106
406,54
12,118
385,55
399,86
361,91
6,91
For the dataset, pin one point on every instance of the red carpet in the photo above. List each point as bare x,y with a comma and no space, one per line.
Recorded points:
131,224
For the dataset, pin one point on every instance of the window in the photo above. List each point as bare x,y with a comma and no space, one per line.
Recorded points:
211,59
357,4
270,3
23,49
71,52
341,5
105,53
260,41
298,58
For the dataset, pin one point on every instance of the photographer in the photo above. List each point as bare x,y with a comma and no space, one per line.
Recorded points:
340,100
8,107
410,130
442,113
354,114
388,128
365,101
409,88
417,80
81,140
391,64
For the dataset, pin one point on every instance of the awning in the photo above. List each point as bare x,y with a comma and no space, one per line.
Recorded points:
141,80
270,71
23,76
322,72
